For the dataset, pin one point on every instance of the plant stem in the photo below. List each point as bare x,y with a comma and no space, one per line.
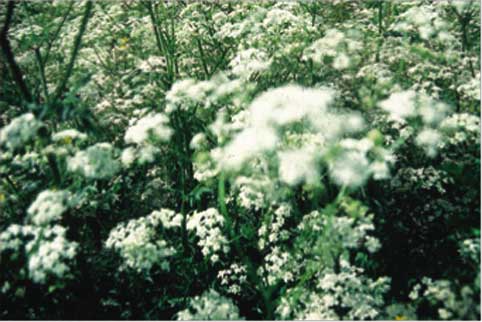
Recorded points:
251,270
73,55
10,58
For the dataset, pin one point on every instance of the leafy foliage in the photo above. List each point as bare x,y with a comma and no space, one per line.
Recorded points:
250,160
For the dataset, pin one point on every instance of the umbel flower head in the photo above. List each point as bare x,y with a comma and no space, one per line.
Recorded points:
19,130
48,207
96,162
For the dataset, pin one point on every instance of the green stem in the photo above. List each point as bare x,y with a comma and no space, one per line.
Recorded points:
251,270
75,51
10,58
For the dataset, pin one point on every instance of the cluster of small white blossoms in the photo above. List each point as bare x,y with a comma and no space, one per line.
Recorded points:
426,21
48,207
268,114
378,73
152,63
471,89
347,291
470,249
407,105
267,127
251,192
233,278
96,162
342,47
270,231
69,135
461,128
248,62
350,164
49,253
139,243
144,133
440,293
47,249
210,306
154,125
20,130
262,26
277,266
427,178
188,93
208,225
346,231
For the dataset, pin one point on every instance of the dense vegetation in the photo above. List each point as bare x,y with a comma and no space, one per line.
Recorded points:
240,159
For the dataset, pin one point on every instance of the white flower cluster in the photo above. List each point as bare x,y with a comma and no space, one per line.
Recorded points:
276,266
342,47
67,136
96,162
426,21
152,125
48,253
297,166
248,62
407,105
251,192
460,128
347,291
139,243
427,178
152,64
144,133
441,294
470,249
48,207
208,226
47,249
350,164
20,130
271,231
268,114
210,306
348,232
233,278
188,93
471,89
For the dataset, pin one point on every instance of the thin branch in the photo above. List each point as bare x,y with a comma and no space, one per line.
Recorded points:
10,58
56,34
75,51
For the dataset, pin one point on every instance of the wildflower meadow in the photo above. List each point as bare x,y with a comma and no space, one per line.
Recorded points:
240,160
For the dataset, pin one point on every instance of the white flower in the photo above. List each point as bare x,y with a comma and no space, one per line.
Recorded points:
152,124
400,105
68,135
248,144
380,170
249,61
350,169
429,139
139,244
288,104
341,61
210,306
96,162
128,156
48,207
19,130
207,225
297,166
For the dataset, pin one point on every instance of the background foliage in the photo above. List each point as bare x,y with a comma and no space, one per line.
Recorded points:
251,160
